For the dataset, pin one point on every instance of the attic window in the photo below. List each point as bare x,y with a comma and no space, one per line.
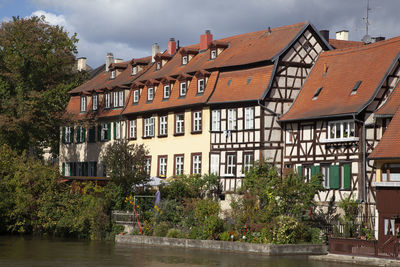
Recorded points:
184,60
316,94
112,74
135,96
167,91
307,46
134,70
354,90
229,82
213,54
158,66
249,80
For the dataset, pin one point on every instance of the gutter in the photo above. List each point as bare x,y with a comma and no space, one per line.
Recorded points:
363,199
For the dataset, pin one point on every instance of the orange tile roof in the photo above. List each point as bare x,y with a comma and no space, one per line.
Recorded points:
241,85
389,146
73,110
368,64
340,44
391,105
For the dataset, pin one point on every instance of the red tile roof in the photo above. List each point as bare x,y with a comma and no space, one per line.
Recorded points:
389,146
368,64
241,85
391,105
340,44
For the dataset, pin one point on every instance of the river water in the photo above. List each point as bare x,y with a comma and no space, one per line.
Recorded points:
28,251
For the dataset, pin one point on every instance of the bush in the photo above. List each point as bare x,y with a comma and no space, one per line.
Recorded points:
206,208
170,211
286,230
161,229
225,236
195,233
212,227
175,233
316,236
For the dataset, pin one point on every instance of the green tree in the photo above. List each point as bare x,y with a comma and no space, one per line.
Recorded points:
36,72
125,165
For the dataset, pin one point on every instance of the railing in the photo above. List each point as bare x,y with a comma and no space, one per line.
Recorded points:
123,217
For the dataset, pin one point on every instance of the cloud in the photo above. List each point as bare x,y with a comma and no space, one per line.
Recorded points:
129,28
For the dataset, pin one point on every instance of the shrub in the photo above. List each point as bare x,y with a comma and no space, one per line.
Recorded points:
316,236
206,208
195,233
170,211
161,229
225,236
175,233
286,230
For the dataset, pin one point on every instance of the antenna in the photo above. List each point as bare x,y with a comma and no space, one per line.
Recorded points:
367,39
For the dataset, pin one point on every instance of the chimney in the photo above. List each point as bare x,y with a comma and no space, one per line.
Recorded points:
171,46
155,49
205,40
109,60
378,39
118,60
342,35
325,34
81,64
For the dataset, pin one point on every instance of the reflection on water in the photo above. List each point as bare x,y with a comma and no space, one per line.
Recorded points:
28,251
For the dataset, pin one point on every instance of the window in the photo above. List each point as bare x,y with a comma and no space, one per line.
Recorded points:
200,86
389,226
196,121
147,165
83,103
163,125
355,88
149,127
248,161
341,130
107,100
249,118
95,101
179,123
132,129
80,134
231,119
325,175
150,94
115,99
162,166
214,164
216,120
289,137
112,74
213,54
184,60
230,164
306,173
196,163
178,164
182,91
316,94
68,134
105,131
121,98
135,96
117,130
158,66
166,91
134,70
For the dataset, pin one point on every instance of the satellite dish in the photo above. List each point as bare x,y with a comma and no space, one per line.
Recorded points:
367,39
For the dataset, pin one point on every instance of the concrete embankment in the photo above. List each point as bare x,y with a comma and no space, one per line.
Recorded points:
371,261
266,249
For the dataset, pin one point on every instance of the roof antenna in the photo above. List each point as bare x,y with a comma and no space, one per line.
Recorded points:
367,38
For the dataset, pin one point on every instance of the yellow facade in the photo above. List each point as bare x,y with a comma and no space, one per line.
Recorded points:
172,145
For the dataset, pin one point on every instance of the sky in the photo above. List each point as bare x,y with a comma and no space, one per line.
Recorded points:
128,28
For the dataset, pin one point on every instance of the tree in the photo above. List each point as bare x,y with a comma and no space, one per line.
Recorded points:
36,72
125,165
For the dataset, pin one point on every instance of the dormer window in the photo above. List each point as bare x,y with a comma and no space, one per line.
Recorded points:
200,86
95,102
83,103
136,96
134,70
213,54
167,91
150,94
107,100
184,60
115,99
121,98
183,88
112,74
158,66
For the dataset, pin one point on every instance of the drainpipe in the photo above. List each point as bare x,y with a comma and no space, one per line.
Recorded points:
364,198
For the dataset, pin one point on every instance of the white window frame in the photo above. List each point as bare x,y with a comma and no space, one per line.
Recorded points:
184,60
132,129
107,100
163,125
180,123
230,165
104,132
147,165
149,127
179,165
196,164
95,102
214,164
67,170
325,174
249,118
248,161
134,70
68,134
201,85
289,137
136,96
150,94
117,130
112,76
216,120
163,166
197,121
213,54
167,91
231,120
182,89
83,103
115,99
345,125
158,65
121,98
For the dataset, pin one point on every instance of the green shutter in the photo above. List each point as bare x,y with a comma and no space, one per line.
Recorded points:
63,169
115,130
99,132
347,176
78,134
83,135
334,177
63,134
73,168
85,168
95,169
315,170
71,140
300,172
109,131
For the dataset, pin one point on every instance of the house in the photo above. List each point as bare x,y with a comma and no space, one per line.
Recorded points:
331,127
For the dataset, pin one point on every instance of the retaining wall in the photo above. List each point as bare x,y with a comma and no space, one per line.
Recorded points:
267,249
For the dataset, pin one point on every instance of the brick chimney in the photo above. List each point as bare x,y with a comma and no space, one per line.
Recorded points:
109,60
342,35
205,40
155,49
171,46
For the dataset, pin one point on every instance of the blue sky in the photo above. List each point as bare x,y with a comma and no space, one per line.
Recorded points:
128,28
